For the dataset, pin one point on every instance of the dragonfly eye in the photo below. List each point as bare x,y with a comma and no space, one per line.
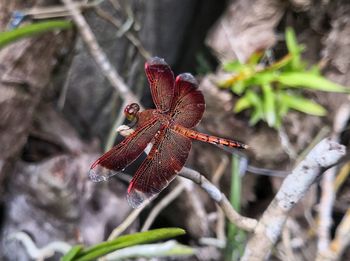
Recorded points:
131,111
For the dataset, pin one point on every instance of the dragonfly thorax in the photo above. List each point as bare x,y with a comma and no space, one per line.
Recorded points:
164,118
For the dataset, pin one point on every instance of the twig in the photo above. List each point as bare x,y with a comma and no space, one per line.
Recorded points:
220,170
162,204
127,222
342,237
212,241
341,176
98,54
286,145
40,253
339,243
115,4
286,240
55,10
220,223
197,205
130,36
244,223
328,193
323,133
63,95
325,210
113,133
293,188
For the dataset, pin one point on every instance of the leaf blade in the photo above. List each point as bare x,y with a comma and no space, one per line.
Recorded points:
310,81
32,30
269,104
128,240
302,104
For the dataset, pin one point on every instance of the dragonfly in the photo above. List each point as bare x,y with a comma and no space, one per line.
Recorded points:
168,128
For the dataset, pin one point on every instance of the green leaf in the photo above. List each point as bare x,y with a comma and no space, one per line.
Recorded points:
262,78
167,249
239,87
242,104
291,42
280,63
33,29
128,240
233,66
269,104
310,81
304,105
72,253
294,49
314,69
258,111
255,58
282,107
256,116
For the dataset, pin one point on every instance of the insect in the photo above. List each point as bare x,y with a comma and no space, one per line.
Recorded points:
179,108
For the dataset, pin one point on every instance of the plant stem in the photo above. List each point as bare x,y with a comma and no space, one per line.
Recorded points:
236,237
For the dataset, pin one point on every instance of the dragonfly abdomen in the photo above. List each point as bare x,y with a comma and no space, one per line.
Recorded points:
208,138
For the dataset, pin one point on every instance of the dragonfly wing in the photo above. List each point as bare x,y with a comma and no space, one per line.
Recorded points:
189,106
161,80
165,160
121,155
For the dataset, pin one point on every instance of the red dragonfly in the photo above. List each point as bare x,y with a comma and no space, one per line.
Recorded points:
179,107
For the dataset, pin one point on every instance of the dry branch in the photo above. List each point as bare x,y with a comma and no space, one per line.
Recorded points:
342,238
162,204
98,54
244,223
129,35
293,188
328,191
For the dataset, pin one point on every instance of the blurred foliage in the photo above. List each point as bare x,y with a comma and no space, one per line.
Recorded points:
236,238
32,30
79,253
203,65
271,91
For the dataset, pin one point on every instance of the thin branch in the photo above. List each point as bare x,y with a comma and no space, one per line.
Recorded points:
98,54
40,253
286,144
325,210
220,170
129,35
113,132
162,204
244,223
127,222
286,240
328,192
293,188
323,133
342,175
339,243
54,11
63,95
342,237
220,223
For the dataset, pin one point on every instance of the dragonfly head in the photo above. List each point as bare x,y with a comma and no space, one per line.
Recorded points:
131,111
